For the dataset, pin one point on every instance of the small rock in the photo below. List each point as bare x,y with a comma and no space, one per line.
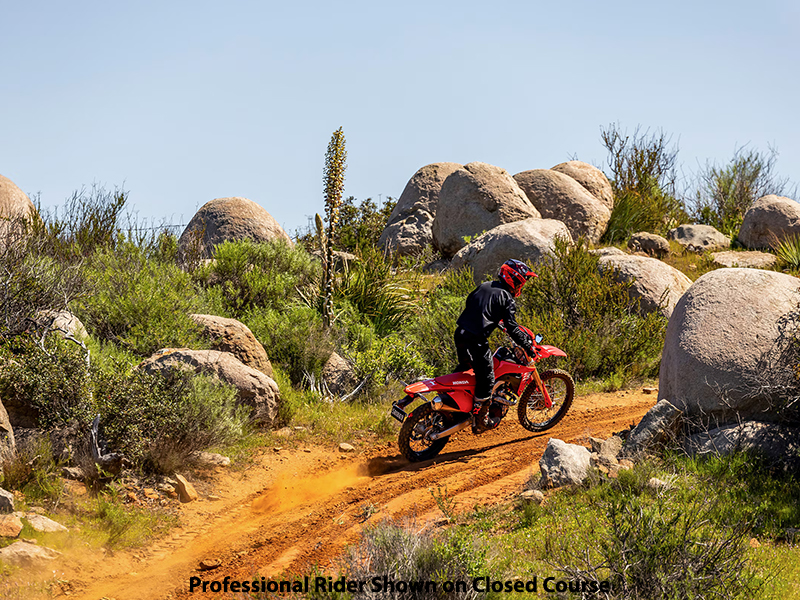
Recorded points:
37,510
10,526
43,524
210,459
532,496
657,484
564,464
345,447
151,494
625,464
75,473
214,497
307,450
6,501
209,564
610,449
277,448
25,555
649,390
595,443
299,428
185,490
754,543
284,432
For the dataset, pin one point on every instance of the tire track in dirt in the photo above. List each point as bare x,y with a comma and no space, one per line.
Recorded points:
306,517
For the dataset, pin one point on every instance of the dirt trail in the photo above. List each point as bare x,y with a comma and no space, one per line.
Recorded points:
287,514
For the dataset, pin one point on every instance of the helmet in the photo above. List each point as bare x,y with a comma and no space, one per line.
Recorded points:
515,274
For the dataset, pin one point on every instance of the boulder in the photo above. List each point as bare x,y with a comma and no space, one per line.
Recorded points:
770,439
558,196
751,259
27,555
8,446
338,375
655,285
699,238
771,219
6,501
608,251
474,199
726,343
409,230
529,240
62,322
255,389
590,177
10,526
230,335
564,464
41,523
649,243
228,219
657,427
209,459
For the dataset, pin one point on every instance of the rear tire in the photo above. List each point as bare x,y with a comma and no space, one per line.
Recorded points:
533,416
413,441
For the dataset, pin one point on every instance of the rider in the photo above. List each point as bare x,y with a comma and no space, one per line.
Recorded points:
490,303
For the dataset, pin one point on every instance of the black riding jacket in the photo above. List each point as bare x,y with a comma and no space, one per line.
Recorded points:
487,305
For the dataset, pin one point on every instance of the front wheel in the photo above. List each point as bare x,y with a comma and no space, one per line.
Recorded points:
414,441
533,415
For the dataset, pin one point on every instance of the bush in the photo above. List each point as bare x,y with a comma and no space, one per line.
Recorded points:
266,275
590,316
295,338
390,357
724,194
33,470
643,179
139,303
53,381
157,422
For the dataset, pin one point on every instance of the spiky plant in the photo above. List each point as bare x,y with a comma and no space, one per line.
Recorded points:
335,166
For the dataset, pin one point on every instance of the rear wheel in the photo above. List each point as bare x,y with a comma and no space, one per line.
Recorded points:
414,441
533,414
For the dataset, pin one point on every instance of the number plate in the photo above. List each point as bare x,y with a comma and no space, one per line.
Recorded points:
398,413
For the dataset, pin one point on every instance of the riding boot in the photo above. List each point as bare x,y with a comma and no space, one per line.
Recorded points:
480,409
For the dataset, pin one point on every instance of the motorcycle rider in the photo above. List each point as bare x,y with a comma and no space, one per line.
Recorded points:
490,303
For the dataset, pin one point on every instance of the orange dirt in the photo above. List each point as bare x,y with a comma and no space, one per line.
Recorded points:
296,509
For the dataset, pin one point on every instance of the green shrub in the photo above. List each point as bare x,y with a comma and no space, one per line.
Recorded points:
590,316
724,194
250,275
33,470
128,526
788,251
643,179
294,338
139,303
391,357
157,422
432,330
54,381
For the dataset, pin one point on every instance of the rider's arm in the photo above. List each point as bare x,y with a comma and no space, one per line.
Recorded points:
513,329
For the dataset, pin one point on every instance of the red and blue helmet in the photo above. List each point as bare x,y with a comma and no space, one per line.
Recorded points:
515,274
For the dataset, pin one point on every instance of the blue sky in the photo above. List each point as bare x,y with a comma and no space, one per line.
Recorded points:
183,102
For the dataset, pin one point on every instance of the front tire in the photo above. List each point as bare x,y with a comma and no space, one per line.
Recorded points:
533,415
413,441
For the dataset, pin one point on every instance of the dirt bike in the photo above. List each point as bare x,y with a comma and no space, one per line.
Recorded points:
541,400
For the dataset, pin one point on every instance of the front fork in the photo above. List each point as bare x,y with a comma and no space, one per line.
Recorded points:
541,387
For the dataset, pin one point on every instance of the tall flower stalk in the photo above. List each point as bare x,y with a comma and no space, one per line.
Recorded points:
335,166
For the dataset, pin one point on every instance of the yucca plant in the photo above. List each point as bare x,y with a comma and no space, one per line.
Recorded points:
788,251
335,166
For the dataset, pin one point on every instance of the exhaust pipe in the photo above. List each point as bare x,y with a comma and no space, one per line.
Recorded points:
451,430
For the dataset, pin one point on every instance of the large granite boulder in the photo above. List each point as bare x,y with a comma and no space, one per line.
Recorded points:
230,335
474,199
776,442
62,322
699,238
228,219
590,177
771,219
655,285
752,259
409,230
558,196
529,240
255,389
726,346
15,206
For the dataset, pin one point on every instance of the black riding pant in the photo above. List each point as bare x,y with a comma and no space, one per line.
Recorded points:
474,352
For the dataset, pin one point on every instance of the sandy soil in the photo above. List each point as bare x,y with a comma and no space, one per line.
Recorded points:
295,509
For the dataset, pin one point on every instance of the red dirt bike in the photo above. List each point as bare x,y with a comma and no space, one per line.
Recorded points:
541,400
